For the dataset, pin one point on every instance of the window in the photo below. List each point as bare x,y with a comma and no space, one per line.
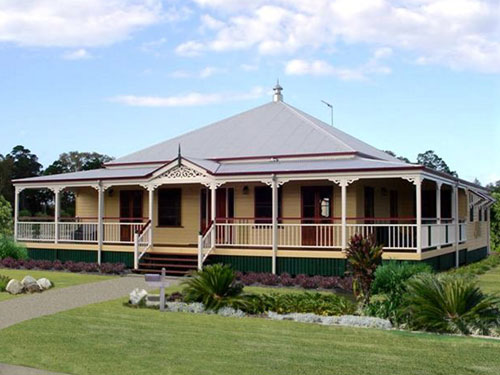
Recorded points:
169,207
471,213
485,214
264,204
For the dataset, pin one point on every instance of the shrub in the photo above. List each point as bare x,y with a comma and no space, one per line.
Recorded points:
215,286
480,267
363,257
112,268
390,278
10,262
9,248
286,279
450,304
301,280
316,303
57,265
390,286
4,280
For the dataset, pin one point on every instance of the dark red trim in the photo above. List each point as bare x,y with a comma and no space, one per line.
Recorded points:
137,163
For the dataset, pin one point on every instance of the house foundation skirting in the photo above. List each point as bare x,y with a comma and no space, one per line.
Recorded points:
65,255
248,263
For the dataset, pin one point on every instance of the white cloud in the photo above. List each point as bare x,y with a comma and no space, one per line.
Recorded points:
249,67
79,23
206,72
187,100
79,54
324,68
462,34
190,48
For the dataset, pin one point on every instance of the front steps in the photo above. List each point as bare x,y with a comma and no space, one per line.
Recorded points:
175,264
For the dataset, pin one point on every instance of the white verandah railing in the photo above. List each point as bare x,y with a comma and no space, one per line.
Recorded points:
77,232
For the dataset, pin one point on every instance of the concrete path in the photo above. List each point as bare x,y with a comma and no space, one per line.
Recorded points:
17,310
21,370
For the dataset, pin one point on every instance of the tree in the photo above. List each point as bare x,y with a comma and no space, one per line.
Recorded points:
21,163
6,224
495,215
75,161
431,160
402,158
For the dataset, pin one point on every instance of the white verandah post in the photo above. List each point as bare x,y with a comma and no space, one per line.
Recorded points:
418,204
438,213
213,211
16,211
454,211
57,213
150,214
100,223
274,187
343,189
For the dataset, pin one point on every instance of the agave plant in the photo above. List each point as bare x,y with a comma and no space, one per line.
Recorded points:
215,286
450,304
363,257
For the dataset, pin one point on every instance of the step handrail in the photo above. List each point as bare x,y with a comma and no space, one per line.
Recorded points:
139,248
202,240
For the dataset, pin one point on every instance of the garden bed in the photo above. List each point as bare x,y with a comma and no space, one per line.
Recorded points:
69,266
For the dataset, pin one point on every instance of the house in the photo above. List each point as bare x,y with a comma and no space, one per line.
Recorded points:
270,189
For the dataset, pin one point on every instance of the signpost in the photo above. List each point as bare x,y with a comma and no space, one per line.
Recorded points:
158,281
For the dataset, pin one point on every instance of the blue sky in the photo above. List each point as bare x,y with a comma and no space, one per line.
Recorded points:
120,75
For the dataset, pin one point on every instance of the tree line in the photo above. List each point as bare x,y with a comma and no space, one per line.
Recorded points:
22,163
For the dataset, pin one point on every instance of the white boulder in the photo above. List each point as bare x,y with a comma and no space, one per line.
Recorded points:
44,283
137,296
14,287
27,280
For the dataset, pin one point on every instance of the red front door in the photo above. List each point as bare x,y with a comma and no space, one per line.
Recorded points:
130,212
224,207
317,208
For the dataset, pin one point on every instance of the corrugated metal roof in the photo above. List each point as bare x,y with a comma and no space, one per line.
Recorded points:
275,128
95,174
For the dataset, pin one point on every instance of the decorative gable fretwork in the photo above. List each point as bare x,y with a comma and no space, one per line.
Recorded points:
181,172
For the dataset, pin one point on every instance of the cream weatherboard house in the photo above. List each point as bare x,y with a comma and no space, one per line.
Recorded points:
272,190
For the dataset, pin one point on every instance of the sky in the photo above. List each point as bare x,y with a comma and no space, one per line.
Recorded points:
117,76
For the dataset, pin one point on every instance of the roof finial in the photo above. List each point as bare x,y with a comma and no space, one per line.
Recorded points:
277,97
179,156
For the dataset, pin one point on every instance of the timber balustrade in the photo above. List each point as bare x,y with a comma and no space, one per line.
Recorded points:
251,232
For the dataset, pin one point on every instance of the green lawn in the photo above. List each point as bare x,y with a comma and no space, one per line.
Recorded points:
60,279
108,338
490,281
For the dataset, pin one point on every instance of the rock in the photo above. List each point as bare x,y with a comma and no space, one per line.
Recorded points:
30,284
137,296
28,280
14,287
33,288
44,283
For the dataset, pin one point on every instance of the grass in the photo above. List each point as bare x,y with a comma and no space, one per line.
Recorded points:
490,281
108,338
60,279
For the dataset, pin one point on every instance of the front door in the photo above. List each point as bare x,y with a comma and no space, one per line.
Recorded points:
224,207
317,208
130,212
